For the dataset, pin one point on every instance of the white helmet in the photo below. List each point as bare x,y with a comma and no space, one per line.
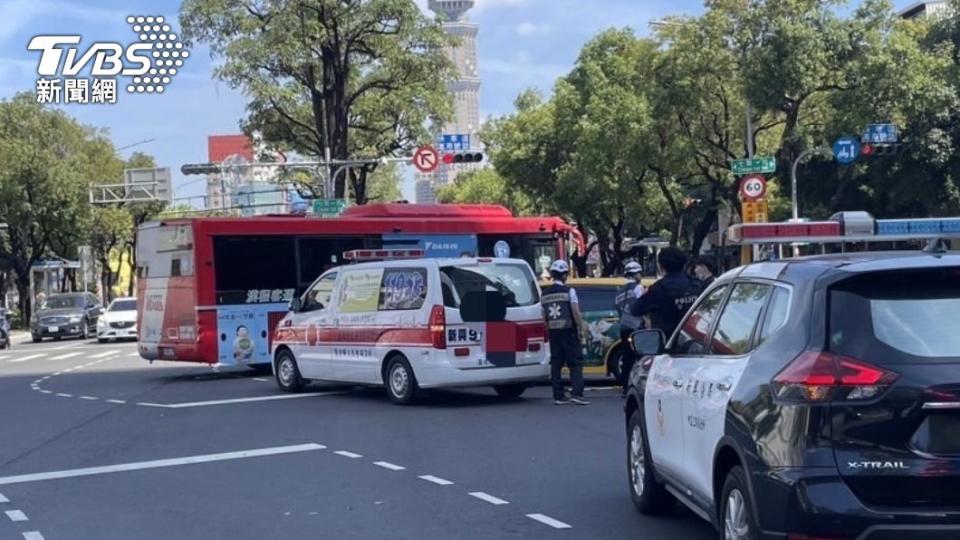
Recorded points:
560,266
631,268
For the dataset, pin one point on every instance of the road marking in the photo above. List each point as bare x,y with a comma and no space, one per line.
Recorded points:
89,398
105,354
65,356
350,455
32,535
17,515
3,499
159,463
261,379
489,498
388,465
117,401
134,355
64,395
25,358
547,520
436,480
42,391
237,400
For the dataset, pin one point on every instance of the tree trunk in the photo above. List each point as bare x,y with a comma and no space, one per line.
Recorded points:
702,230
132,265
23,289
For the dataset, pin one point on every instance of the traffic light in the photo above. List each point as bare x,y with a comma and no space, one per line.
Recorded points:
200,168
463,157
871,150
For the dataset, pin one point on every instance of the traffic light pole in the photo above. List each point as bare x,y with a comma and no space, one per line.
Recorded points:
793,176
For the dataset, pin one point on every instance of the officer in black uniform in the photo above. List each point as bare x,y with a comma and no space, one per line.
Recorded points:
626,295
561,309
705,271
668,300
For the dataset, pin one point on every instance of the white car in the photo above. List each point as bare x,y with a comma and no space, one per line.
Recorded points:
119,321
412,324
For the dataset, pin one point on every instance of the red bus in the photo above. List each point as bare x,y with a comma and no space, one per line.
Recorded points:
211,290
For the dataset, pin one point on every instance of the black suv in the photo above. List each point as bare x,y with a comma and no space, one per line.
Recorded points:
816,398
66,315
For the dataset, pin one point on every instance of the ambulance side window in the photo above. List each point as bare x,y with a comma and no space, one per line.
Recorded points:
319,296
403,289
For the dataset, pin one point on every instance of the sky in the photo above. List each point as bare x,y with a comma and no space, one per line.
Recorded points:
522,44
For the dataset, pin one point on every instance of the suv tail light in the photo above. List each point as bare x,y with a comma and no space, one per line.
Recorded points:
821,376
438,327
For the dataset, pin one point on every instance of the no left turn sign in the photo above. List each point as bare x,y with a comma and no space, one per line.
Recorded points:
426,159
753,187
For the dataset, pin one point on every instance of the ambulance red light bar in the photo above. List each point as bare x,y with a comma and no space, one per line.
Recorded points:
359,255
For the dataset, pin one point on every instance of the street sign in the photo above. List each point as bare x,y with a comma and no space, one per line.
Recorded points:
760,164
426,159
753,187
455,143
880,134
328,207
756,211
846,150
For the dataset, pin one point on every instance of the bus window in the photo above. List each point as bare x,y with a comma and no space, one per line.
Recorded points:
253,263
319,254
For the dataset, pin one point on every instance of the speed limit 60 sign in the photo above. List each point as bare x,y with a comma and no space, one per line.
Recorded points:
753,187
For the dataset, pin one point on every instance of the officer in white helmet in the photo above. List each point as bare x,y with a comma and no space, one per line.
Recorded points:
561,309
629,323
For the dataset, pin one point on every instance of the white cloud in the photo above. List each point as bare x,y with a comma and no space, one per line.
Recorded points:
526,29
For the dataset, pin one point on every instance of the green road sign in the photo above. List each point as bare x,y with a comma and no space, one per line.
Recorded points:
328,207
757,165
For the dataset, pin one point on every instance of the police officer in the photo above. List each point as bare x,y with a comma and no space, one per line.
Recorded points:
705,271
626,295
561,309
667,300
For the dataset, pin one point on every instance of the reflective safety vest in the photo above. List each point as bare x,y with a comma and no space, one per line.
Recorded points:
557,307
625,297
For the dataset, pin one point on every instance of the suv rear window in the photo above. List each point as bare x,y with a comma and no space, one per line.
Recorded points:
913,313
514,281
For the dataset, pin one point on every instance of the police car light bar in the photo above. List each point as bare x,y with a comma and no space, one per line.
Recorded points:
358,255
845,227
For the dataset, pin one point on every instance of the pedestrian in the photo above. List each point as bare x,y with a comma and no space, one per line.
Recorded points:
667,301
626,295
561,310
706,272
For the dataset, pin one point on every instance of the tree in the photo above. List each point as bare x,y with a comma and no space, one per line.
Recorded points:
485,186
383,185
361,78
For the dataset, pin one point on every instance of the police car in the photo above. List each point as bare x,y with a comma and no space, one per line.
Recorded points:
409,323
815,398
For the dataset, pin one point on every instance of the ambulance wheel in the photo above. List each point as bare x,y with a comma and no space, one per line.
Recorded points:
102,340
400,381
510,391
649,496
288,374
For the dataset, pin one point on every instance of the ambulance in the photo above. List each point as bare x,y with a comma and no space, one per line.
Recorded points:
409,323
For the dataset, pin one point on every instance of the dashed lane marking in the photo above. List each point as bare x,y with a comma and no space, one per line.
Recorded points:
25,358
3,499
65,356
488,498
236,400
547,520
348,454
89,398
436,480
159,463
61,394
17,515
105,354
117,401
389,466
134,355
32,535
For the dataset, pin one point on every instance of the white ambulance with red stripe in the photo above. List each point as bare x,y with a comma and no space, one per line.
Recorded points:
411,323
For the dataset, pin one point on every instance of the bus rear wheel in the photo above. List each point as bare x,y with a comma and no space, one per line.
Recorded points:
288,373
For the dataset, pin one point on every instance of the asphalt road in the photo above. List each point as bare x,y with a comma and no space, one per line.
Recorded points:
95,443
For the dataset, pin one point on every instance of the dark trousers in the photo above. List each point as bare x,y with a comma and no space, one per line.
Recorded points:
626,351
565,351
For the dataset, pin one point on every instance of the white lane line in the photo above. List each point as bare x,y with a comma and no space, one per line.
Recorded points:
350,455
89,398
134,355
261,379
56,373
388,465
32,535
436,480
489,498
25,358
105,354
42,391
65,356
17,515
117,401
60,394
3,499
159,463
547,520
237,400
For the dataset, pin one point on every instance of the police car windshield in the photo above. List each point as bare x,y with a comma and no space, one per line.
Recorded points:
514,282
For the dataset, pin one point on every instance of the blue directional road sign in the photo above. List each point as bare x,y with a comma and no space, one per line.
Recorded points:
454,143
880,134
846,150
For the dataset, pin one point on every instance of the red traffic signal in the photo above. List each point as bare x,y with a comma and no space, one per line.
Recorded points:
866,150
463,157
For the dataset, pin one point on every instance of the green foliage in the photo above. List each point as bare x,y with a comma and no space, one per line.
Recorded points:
485,186
383,184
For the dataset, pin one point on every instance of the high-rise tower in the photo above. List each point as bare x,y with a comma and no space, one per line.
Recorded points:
465,90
